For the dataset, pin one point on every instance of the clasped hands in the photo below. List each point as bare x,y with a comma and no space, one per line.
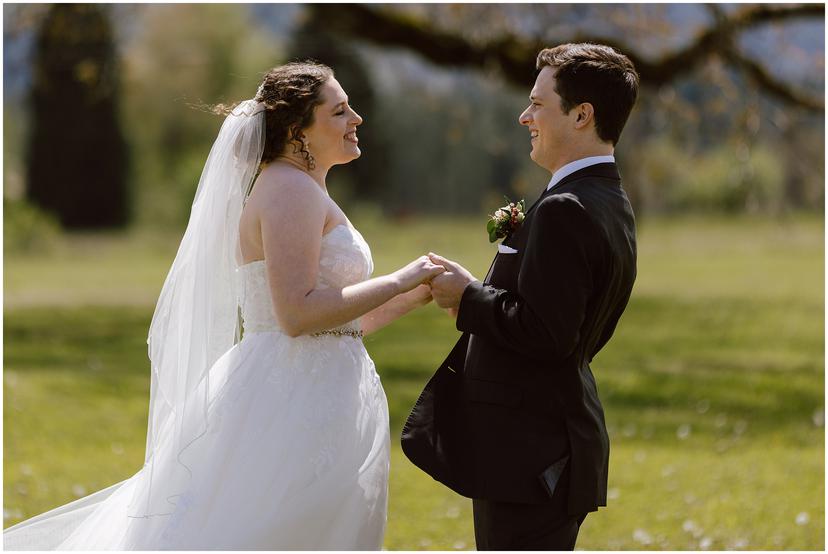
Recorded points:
447,287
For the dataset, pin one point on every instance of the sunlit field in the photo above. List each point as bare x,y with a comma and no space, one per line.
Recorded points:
713,385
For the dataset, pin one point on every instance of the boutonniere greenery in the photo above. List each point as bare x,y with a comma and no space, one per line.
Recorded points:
505,220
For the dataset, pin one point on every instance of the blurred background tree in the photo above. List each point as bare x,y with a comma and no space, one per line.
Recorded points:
177,57
77,156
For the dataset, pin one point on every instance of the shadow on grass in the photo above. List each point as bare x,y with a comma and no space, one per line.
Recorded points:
713,365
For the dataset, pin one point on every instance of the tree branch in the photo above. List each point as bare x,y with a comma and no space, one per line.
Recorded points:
769,84
515,57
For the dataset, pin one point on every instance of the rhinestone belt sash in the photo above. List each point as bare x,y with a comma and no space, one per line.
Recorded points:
340,333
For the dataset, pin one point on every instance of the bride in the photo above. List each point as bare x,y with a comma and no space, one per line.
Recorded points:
279,440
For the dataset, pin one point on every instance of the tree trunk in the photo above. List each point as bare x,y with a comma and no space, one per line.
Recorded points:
77,156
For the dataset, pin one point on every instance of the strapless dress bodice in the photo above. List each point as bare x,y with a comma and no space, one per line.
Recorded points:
344,259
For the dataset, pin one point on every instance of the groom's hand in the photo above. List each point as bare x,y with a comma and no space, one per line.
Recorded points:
447,288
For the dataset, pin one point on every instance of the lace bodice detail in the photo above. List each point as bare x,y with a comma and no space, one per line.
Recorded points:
344,259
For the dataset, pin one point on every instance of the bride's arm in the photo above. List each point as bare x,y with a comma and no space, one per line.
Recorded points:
292,219
395,308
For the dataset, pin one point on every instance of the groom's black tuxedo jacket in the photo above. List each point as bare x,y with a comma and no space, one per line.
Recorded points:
515,402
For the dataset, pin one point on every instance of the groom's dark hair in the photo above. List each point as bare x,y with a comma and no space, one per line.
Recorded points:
596,74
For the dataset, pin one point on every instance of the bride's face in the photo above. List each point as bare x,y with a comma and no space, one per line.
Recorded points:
332,138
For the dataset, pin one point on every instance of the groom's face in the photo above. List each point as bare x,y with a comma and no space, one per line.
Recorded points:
549,126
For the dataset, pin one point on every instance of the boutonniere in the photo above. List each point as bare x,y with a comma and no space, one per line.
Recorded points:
505,220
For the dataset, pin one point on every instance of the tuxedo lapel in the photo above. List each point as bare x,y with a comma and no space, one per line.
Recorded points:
543,195
605,170
489,273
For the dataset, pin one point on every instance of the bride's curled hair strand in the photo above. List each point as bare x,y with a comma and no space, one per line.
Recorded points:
290,92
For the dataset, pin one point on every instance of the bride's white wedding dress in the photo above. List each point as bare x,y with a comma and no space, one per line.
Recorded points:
296,456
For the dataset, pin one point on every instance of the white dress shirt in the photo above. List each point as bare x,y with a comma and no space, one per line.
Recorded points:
572,167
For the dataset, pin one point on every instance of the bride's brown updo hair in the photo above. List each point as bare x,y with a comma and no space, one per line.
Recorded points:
289,92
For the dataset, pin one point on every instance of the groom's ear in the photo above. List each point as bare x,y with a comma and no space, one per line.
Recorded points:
584,113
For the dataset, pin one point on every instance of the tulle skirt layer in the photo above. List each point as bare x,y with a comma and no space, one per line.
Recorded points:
295,457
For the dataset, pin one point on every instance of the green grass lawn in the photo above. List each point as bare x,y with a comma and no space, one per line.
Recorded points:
713,385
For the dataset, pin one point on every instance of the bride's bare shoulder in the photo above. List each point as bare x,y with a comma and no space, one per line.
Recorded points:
286,185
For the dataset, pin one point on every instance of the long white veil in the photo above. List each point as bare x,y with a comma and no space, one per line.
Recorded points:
196,318
195,322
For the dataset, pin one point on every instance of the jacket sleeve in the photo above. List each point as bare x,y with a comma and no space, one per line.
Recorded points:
543,317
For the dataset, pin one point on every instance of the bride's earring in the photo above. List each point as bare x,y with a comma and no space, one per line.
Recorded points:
311,161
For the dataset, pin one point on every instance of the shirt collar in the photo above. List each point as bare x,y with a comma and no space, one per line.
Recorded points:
572,167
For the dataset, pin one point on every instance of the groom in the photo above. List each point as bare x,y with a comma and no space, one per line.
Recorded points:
512,418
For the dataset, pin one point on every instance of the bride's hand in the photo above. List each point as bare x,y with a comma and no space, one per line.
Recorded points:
417,272
418,296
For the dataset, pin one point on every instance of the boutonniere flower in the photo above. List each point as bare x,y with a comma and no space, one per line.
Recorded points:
505,220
